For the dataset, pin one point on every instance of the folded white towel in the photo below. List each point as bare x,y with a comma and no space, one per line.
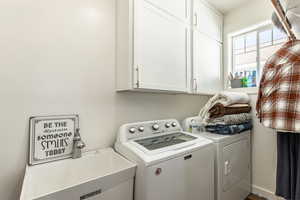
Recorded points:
225,98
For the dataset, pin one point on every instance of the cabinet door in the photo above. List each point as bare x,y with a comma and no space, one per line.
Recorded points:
161,49
207,64
208,20
178,8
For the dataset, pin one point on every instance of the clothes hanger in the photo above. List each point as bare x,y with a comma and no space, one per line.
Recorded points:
283,19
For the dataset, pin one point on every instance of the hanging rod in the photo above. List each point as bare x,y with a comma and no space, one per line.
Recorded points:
283,19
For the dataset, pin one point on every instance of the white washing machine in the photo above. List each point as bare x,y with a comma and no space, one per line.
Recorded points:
171,164
232,162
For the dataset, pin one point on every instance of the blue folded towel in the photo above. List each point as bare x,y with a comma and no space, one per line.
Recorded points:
230,129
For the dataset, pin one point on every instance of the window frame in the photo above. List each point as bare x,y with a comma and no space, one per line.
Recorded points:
230,49
258,31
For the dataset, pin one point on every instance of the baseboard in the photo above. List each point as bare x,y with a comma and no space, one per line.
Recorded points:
262,192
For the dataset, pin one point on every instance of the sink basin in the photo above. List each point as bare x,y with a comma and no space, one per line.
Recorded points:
91,175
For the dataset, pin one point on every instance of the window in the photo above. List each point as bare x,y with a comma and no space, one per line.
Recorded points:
250,52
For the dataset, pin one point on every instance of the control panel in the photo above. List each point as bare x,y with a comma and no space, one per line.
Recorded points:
144,129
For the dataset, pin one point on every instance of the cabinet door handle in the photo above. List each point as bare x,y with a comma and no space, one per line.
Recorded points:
188,157
195,85
195,19
138,76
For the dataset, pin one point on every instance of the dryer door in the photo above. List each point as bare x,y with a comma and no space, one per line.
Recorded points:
236,160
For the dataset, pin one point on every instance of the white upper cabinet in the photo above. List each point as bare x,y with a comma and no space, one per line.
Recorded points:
177,8
169,46
207,20
161,44
153,45
207,65
206,49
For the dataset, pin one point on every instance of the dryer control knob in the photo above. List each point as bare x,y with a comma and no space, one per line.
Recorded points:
167,125
141,129
174,124
155,127
132,130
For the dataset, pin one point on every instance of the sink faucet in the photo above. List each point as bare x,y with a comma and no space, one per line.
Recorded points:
78,145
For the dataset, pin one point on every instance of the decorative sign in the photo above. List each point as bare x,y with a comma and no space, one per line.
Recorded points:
51,138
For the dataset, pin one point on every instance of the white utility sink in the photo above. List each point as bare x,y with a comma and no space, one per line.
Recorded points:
98,175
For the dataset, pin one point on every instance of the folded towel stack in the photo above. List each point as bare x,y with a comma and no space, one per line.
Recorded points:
229,129
227,113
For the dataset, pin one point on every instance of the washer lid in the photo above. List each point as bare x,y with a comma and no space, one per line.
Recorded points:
138,153
171,142
158,142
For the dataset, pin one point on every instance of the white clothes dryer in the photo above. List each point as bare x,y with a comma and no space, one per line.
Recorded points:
232,162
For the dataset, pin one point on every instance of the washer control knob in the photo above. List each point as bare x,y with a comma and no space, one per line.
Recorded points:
141,129
155,127
132,130
174,124
167,125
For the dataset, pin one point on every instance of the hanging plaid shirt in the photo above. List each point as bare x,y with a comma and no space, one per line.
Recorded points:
278,104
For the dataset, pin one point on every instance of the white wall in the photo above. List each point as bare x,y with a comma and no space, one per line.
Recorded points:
264,140
58,57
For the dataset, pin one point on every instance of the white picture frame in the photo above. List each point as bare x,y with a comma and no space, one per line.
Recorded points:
51,137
